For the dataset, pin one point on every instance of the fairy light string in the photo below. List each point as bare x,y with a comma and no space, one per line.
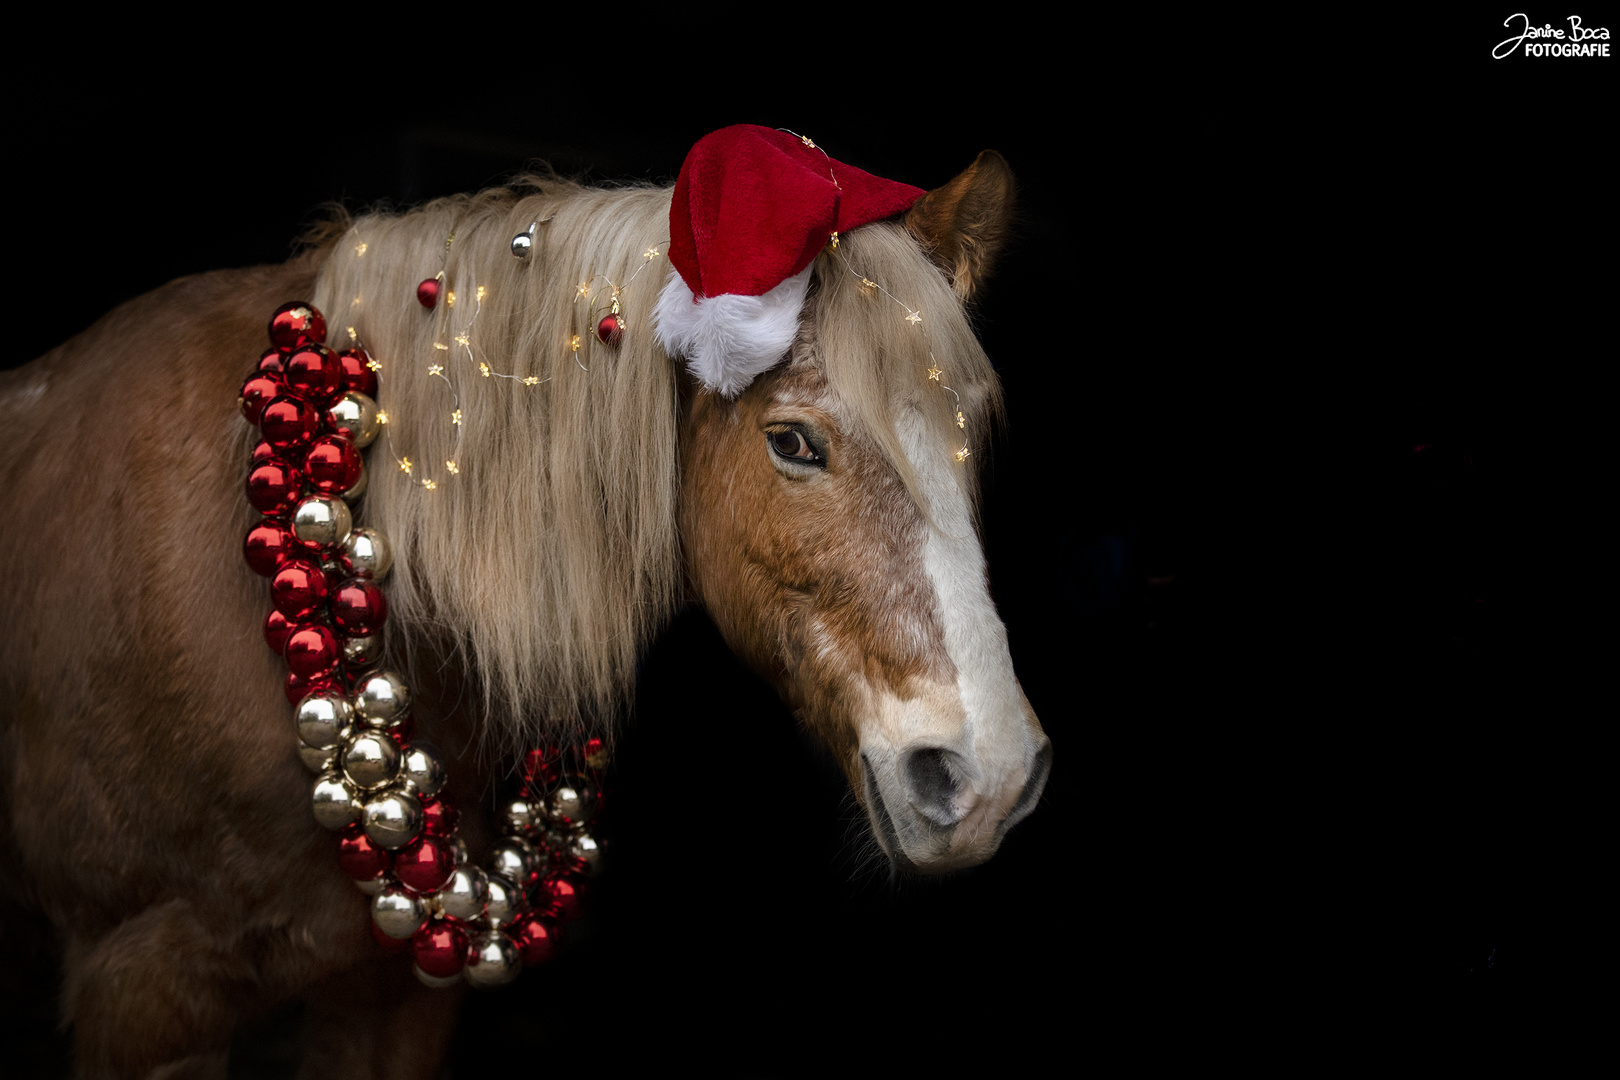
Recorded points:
413,471
913,316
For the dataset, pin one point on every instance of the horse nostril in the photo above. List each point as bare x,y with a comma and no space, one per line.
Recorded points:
1041,768
932,784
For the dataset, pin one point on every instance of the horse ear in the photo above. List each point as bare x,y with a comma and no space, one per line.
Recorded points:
963,225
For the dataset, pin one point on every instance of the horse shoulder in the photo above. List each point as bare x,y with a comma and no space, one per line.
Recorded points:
154,796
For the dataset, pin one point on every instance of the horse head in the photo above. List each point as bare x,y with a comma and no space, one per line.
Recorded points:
828,525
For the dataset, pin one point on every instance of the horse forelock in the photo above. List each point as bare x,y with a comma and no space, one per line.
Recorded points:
549,559
876,361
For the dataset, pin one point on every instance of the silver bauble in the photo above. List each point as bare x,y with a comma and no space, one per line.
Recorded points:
375,885
572,803
356,414
506,901
381,699
516,817
515,858
334,801
318,759
523,242
421,772
585,850
398,912
465,895
322,521
322,718
492,960
362,651
459,846
370,759
393,818
366,551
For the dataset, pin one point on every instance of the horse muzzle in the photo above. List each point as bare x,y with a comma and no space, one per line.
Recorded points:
935,808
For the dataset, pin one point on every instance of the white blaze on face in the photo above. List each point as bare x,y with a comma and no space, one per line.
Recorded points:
978,741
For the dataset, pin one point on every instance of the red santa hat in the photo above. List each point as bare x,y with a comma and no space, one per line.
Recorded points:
752,207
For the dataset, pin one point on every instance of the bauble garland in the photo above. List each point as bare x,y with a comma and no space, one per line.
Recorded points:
383,793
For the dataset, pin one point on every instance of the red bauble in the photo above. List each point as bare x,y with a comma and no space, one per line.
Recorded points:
267,544
297,687
440,949
312,650
276,629
610,330
427,293
298,588
270,360
333,465
288,422
315,372
357,373
361,857
541,770
274,488
296,323
438,817
261,388
536,937
425,864
563,896
359,607
262,452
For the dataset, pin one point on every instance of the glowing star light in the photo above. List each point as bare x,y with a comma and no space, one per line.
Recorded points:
436,369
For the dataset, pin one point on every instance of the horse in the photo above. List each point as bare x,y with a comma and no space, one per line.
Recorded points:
554,494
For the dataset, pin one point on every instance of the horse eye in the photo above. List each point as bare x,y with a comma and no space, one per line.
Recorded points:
792,444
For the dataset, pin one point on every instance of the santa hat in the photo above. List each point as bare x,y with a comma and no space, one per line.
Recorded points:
752,208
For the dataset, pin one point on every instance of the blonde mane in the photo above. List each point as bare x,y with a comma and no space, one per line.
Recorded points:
549,558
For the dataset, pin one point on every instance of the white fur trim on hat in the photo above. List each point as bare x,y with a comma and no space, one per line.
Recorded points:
729,340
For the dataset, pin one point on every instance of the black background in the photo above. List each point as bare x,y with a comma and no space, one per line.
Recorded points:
1301,333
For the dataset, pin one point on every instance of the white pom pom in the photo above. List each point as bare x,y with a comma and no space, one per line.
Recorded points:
730,340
